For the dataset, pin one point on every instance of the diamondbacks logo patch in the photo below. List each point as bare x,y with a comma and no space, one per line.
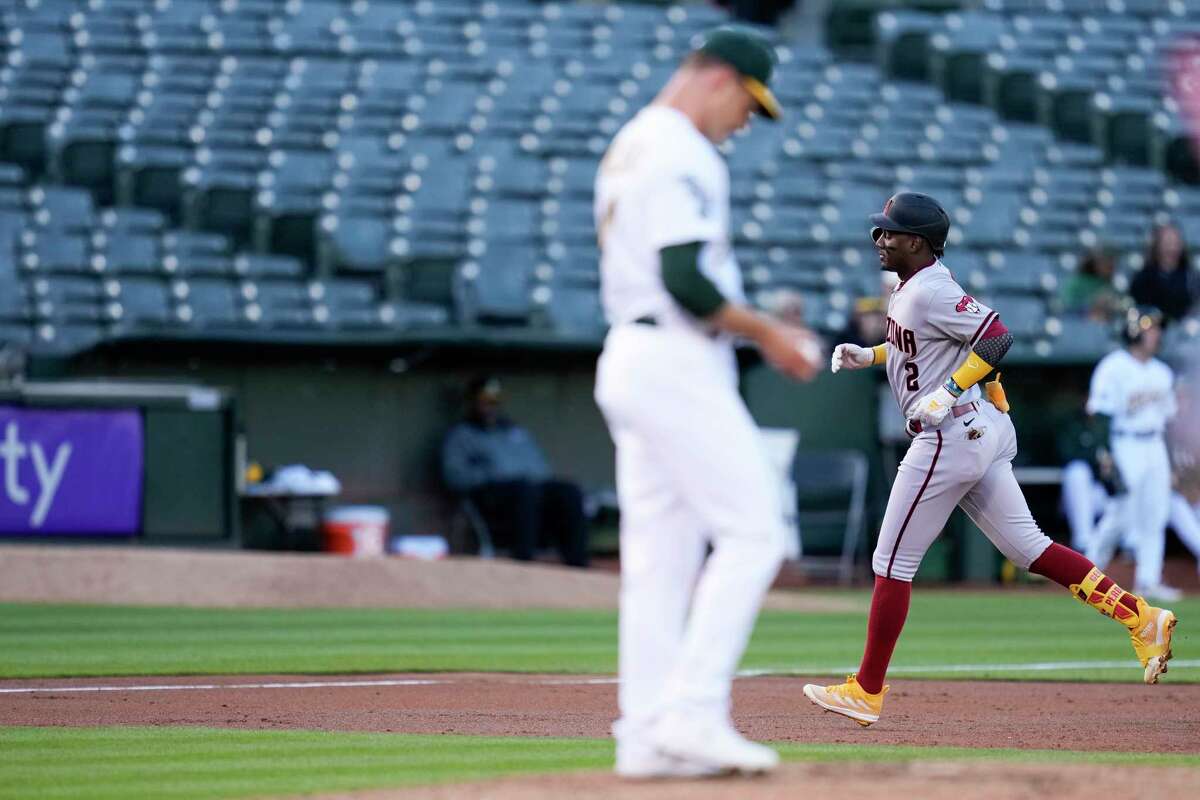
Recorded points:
968,304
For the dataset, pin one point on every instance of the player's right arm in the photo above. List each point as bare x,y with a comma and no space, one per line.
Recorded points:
681,208
851,356
783,346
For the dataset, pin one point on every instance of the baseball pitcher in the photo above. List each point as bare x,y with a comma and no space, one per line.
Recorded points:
940,344
691,470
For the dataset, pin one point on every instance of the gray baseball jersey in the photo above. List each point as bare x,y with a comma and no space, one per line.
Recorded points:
966,461
932,324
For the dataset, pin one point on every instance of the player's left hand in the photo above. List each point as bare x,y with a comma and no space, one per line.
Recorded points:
931,409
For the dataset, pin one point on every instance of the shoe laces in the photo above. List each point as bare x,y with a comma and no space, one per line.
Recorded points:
847,689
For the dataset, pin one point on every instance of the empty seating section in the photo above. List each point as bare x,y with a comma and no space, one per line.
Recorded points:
247,168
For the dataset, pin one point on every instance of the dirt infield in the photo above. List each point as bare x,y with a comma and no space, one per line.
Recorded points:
240,579
926,780
1150,719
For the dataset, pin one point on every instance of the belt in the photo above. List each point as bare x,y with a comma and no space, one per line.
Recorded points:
1138,434
913,427
651,321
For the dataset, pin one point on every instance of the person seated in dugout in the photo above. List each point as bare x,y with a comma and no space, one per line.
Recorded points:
498,465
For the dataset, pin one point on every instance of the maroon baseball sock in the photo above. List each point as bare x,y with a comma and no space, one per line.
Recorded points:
889,609
1067,568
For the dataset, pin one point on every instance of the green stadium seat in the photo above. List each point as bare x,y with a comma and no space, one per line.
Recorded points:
1065,104
16,333
55,251
496,289
151,177
902,43
573,310
132,220
125,253
65,339
408,315
134,302
82,152
260,266
354,242
1125,127
22,135
219,200
61,208
207,302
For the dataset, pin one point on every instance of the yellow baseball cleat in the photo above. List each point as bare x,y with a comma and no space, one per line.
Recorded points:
848,699
1151,638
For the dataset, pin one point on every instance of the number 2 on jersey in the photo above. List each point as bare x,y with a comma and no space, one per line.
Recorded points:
911,381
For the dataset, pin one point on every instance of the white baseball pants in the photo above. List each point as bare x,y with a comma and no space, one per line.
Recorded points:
1141,512
1083,501
952,466
691,471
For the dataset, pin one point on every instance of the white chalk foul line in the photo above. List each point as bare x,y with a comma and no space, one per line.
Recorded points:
1044,666
169,687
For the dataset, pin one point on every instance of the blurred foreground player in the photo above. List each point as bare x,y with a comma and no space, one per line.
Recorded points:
941,343
691,471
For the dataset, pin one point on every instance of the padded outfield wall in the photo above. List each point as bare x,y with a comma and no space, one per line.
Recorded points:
375,417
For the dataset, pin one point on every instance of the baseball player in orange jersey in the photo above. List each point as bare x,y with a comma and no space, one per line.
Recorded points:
940,344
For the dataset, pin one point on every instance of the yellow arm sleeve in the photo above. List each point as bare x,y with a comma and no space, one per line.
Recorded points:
971,372
879,354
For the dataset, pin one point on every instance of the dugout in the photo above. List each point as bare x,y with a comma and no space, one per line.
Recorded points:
94,459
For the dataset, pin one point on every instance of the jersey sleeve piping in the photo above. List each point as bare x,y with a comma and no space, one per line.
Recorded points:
983,326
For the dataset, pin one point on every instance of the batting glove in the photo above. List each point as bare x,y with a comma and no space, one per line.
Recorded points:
931,409
851,356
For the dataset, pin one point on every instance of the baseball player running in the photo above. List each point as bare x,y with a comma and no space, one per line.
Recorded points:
940,344
1132,397
691,471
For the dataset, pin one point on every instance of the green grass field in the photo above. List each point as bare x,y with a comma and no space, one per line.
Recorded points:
950,634
185,763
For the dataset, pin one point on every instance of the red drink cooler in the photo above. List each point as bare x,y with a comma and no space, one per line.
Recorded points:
360,531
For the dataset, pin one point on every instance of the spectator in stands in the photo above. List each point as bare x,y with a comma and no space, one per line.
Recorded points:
1089,292
496,463
1166,280
867,325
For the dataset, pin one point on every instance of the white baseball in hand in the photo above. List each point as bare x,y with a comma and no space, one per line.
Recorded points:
809,346
850,356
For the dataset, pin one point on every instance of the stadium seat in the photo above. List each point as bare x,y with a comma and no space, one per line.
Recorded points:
496,289
122,253
136,302
150,176
55,251
359,243
219,200
902,43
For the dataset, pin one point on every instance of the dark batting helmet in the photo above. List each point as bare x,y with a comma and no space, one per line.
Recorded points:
915,213
1139,319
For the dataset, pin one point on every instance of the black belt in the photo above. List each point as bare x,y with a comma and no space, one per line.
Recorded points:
1137,434
651,321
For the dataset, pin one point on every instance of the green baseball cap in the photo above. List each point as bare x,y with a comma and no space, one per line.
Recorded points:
752,56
